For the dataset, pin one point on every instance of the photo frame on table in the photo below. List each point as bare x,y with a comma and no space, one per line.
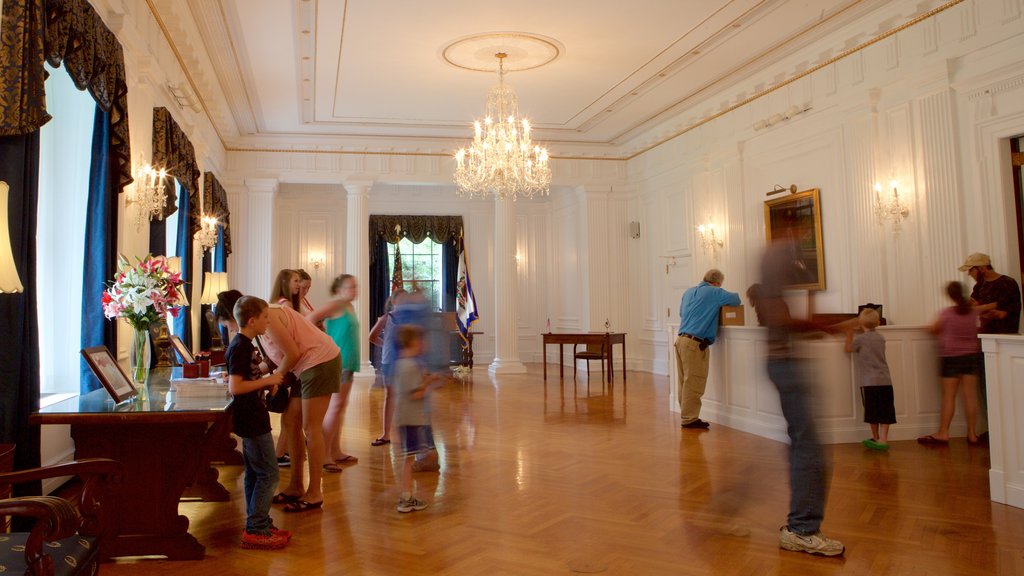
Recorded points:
109,373
182,350
797,217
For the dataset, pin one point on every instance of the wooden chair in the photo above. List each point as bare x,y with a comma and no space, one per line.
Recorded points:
67,534
590,352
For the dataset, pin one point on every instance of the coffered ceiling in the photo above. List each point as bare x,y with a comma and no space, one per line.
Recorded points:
375,74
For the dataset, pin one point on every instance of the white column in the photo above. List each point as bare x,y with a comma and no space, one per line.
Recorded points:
506,314
259,237
357,260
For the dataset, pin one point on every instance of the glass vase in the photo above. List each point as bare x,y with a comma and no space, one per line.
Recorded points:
139,357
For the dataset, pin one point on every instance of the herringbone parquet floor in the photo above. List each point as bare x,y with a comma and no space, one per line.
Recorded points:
548,480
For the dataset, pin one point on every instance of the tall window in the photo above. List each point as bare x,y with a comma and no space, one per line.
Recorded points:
65,153
421,267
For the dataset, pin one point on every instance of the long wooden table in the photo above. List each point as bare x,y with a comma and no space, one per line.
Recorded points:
608,339
166,447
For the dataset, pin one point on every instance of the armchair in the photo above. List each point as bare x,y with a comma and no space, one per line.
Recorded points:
66,536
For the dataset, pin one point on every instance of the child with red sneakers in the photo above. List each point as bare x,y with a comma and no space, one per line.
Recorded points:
251,422
411,412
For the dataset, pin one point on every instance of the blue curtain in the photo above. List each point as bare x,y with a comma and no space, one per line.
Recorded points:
100,247
205,336
449,272
380,284
183,323
220,263
19,356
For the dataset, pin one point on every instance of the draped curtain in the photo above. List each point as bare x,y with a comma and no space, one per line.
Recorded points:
34,31
19,356
72,33
100,257
215,199
388,229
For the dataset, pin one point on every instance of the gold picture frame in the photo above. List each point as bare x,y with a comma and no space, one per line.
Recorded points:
797,217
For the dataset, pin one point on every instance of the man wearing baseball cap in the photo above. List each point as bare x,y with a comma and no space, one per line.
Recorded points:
992,287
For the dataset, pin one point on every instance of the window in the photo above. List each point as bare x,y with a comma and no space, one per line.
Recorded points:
65,154
421,267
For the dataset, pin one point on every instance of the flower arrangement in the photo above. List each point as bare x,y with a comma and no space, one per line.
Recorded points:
142,293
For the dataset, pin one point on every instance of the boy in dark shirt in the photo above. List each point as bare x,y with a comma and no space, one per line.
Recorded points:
251,422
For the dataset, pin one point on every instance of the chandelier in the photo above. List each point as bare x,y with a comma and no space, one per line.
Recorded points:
207,233
149,195
502,160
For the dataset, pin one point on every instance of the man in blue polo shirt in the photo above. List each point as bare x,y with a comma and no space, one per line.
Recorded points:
698,326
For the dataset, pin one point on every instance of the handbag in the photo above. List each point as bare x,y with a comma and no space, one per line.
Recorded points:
278,401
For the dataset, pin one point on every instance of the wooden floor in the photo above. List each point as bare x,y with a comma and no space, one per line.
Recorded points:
548,480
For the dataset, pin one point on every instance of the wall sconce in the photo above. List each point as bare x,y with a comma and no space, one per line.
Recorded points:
10,282
317,261
634,229
670,261
891,209
708,240
149,194
207,233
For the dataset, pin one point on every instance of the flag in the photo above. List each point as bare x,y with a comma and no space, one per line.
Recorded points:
396,274
465,307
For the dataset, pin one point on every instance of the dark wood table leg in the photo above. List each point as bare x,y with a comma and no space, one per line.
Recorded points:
544,345
561,362
623,359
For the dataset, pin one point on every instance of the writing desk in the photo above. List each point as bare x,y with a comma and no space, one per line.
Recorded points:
165,449
608,339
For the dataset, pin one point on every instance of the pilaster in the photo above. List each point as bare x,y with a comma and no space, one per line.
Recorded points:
357,257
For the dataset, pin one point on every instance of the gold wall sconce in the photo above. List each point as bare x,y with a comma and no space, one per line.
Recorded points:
317,261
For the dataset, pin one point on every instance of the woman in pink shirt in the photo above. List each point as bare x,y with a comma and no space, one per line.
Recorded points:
297,346
960,353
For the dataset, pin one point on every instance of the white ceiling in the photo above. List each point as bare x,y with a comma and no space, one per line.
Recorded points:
371,73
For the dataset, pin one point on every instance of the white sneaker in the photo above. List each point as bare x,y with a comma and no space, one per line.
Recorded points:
816,543
411,504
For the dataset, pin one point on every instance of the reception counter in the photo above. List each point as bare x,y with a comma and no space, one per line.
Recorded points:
1004,373
740,395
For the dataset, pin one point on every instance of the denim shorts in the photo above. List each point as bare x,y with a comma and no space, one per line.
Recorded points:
416,439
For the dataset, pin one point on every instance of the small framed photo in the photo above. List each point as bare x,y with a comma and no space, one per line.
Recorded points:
106,369
182,350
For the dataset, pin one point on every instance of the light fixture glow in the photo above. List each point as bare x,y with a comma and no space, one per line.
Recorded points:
502,159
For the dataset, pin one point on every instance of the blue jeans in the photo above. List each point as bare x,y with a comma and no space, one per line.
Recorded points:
808,471
261,474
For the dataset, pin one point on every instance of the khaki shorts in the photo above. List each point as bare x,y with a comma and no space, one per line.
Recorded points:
322,379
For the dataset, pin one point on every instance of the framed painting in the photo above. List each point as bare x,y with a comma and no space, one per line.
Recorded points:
107,371
797,219
183,352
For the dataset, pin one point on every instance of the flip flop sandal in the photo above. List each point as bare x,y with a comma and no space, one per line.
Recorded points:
333,468
350,459
282,498
380,442
302,506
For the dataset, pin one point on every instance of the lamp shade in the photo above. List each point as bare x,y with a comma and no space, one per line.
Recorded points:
10,282
213,284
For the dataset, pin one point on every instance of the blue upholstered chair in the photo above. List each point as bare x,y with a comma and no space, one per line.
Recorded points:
66,536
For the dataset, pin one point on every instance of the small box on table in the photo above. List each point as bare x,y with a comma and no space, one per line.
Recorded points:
731,316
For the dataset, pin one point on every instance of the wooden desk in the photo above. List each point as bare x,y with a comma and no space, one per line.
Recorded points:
607,338
164,450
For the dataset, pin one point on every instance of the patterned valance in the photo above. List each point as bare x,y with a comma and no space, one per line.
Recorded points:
216,202
68,31
173,151
391,229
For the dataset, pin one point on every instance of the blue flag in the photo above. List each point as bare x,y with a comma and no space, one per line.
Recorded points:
465,308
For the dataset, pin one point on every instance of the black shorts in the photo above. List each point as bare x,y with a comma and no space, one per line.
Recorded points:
953,366
879,404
